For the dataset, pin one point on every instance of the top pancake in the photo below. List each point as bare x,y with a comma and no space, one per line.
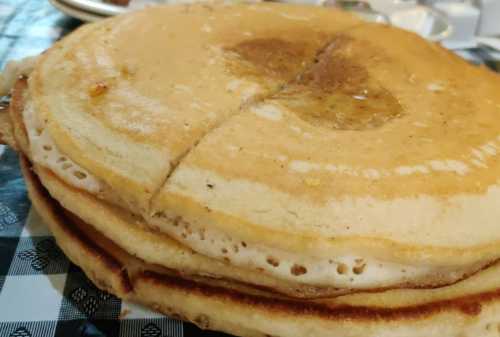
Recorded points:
291,128
128,97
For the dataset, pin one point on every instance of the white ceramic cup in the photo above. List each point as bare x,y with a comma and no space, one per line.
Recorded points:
464,18
489,22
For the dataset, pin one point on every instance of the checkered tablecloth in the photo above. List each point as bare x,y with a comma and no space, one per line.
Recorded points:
42,294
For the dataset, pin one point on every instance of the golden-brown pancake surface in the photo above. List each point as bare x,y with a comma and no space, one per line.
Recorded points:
373,149
140,105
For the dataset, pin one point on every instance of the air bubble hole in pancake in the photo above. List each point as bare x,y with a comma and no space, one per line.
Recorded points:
343,270
45,152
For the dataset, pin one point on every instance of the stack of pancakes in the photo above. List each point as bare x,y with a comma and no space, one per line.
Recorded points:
269,170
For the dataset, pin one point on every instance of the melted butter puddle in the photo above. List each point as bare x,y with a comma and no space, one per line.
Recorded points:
270,58
338,93
344,111
335,92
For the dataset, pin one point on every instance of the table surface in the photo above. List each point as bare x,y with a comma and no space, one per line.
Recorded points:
41,292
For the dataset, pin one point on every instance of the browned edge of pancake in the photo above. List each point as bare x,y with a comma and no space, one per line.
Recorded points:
16,109
11,117
469,305
113,270
75,244
6,131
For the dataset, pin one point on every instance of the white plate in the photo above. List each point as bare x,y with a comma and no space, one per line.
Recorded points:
462,44
490,42
102,8
76,12
95,6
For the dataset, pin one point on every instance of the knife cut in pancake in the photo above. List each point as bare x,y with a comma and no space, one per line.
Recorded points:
121,99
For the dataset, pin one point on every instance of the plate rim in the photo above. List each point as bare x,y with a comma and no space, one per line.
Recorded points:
76,12
96,7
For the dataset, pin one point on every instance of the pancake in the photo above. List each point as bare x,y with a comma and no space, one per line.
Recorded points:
134,235
467,309
271,140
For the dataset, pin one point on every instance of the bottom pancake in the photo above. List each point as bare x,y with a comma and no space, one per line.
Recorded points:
469,308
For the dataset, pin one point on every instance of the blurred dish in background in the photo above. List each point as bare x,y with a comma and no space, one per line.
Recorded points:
77,12
361,8
93,10
489,23
401,13
423,21
464,18
390,6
